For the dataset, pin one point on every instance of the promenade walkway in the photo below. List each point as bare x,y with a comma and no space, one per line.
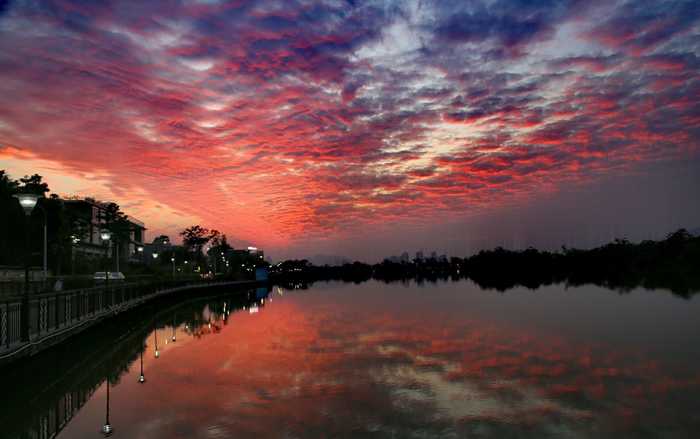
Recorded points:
29,324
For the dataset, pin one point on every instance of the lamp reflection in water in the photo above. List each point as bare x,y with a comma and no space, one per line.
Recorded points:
155,337
107,429
142,378
174,315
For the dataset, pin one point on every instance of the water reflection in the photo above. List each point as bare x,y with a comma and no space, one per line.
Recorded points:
41,396
342,360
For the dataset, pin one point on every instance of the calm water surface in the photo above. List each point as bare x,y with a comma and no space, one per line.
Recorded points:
375,360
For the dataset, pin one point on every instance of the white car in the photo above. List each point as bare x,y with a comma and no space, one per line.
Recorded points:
113,275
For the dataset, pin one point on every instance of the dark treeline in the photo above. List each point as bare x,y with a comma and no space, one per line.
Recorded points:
672,263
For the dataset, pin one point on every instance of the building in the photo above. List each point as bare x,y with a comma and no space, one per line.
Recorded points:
162,248
245,259
257,253
87,214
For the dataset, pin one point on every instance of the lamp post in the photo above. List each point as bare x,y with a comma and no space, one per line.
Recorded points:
173,262
75,241
106,235
28,202
46,238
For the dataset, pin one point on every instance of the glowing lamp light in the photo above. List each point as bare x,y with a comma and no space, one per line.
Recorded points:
157,353
142,379
105,235
139,249
155,255
27,201
172,259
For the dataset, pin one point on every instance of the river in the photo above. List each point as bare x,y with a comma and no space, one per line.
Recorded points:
444,359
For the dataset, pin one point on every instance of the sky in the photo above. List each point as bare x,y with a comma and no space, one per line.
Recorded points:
363,128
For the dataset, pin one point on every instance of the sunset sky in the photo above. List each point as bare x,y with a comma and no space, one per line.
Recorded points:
363,128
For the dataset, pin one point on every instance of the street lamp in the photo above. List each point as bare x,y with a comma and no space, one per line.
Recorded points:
173,261
139,252
28,202
105,236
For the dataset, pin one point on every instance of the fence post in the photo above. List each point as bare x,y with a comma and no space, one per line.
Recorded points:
38,317
7,324
55,305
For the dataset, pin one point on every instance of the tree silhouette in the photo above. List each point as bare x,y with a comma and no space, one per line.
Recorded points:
194,238
11,221
33,184
117,222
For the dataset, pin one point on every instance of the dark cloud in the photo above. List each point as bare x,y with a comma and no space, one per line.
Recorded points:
640,26
4,6
509,24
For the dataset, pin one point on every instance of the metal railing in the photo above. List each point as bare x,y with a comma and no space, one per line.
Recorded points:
17,287
51,314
